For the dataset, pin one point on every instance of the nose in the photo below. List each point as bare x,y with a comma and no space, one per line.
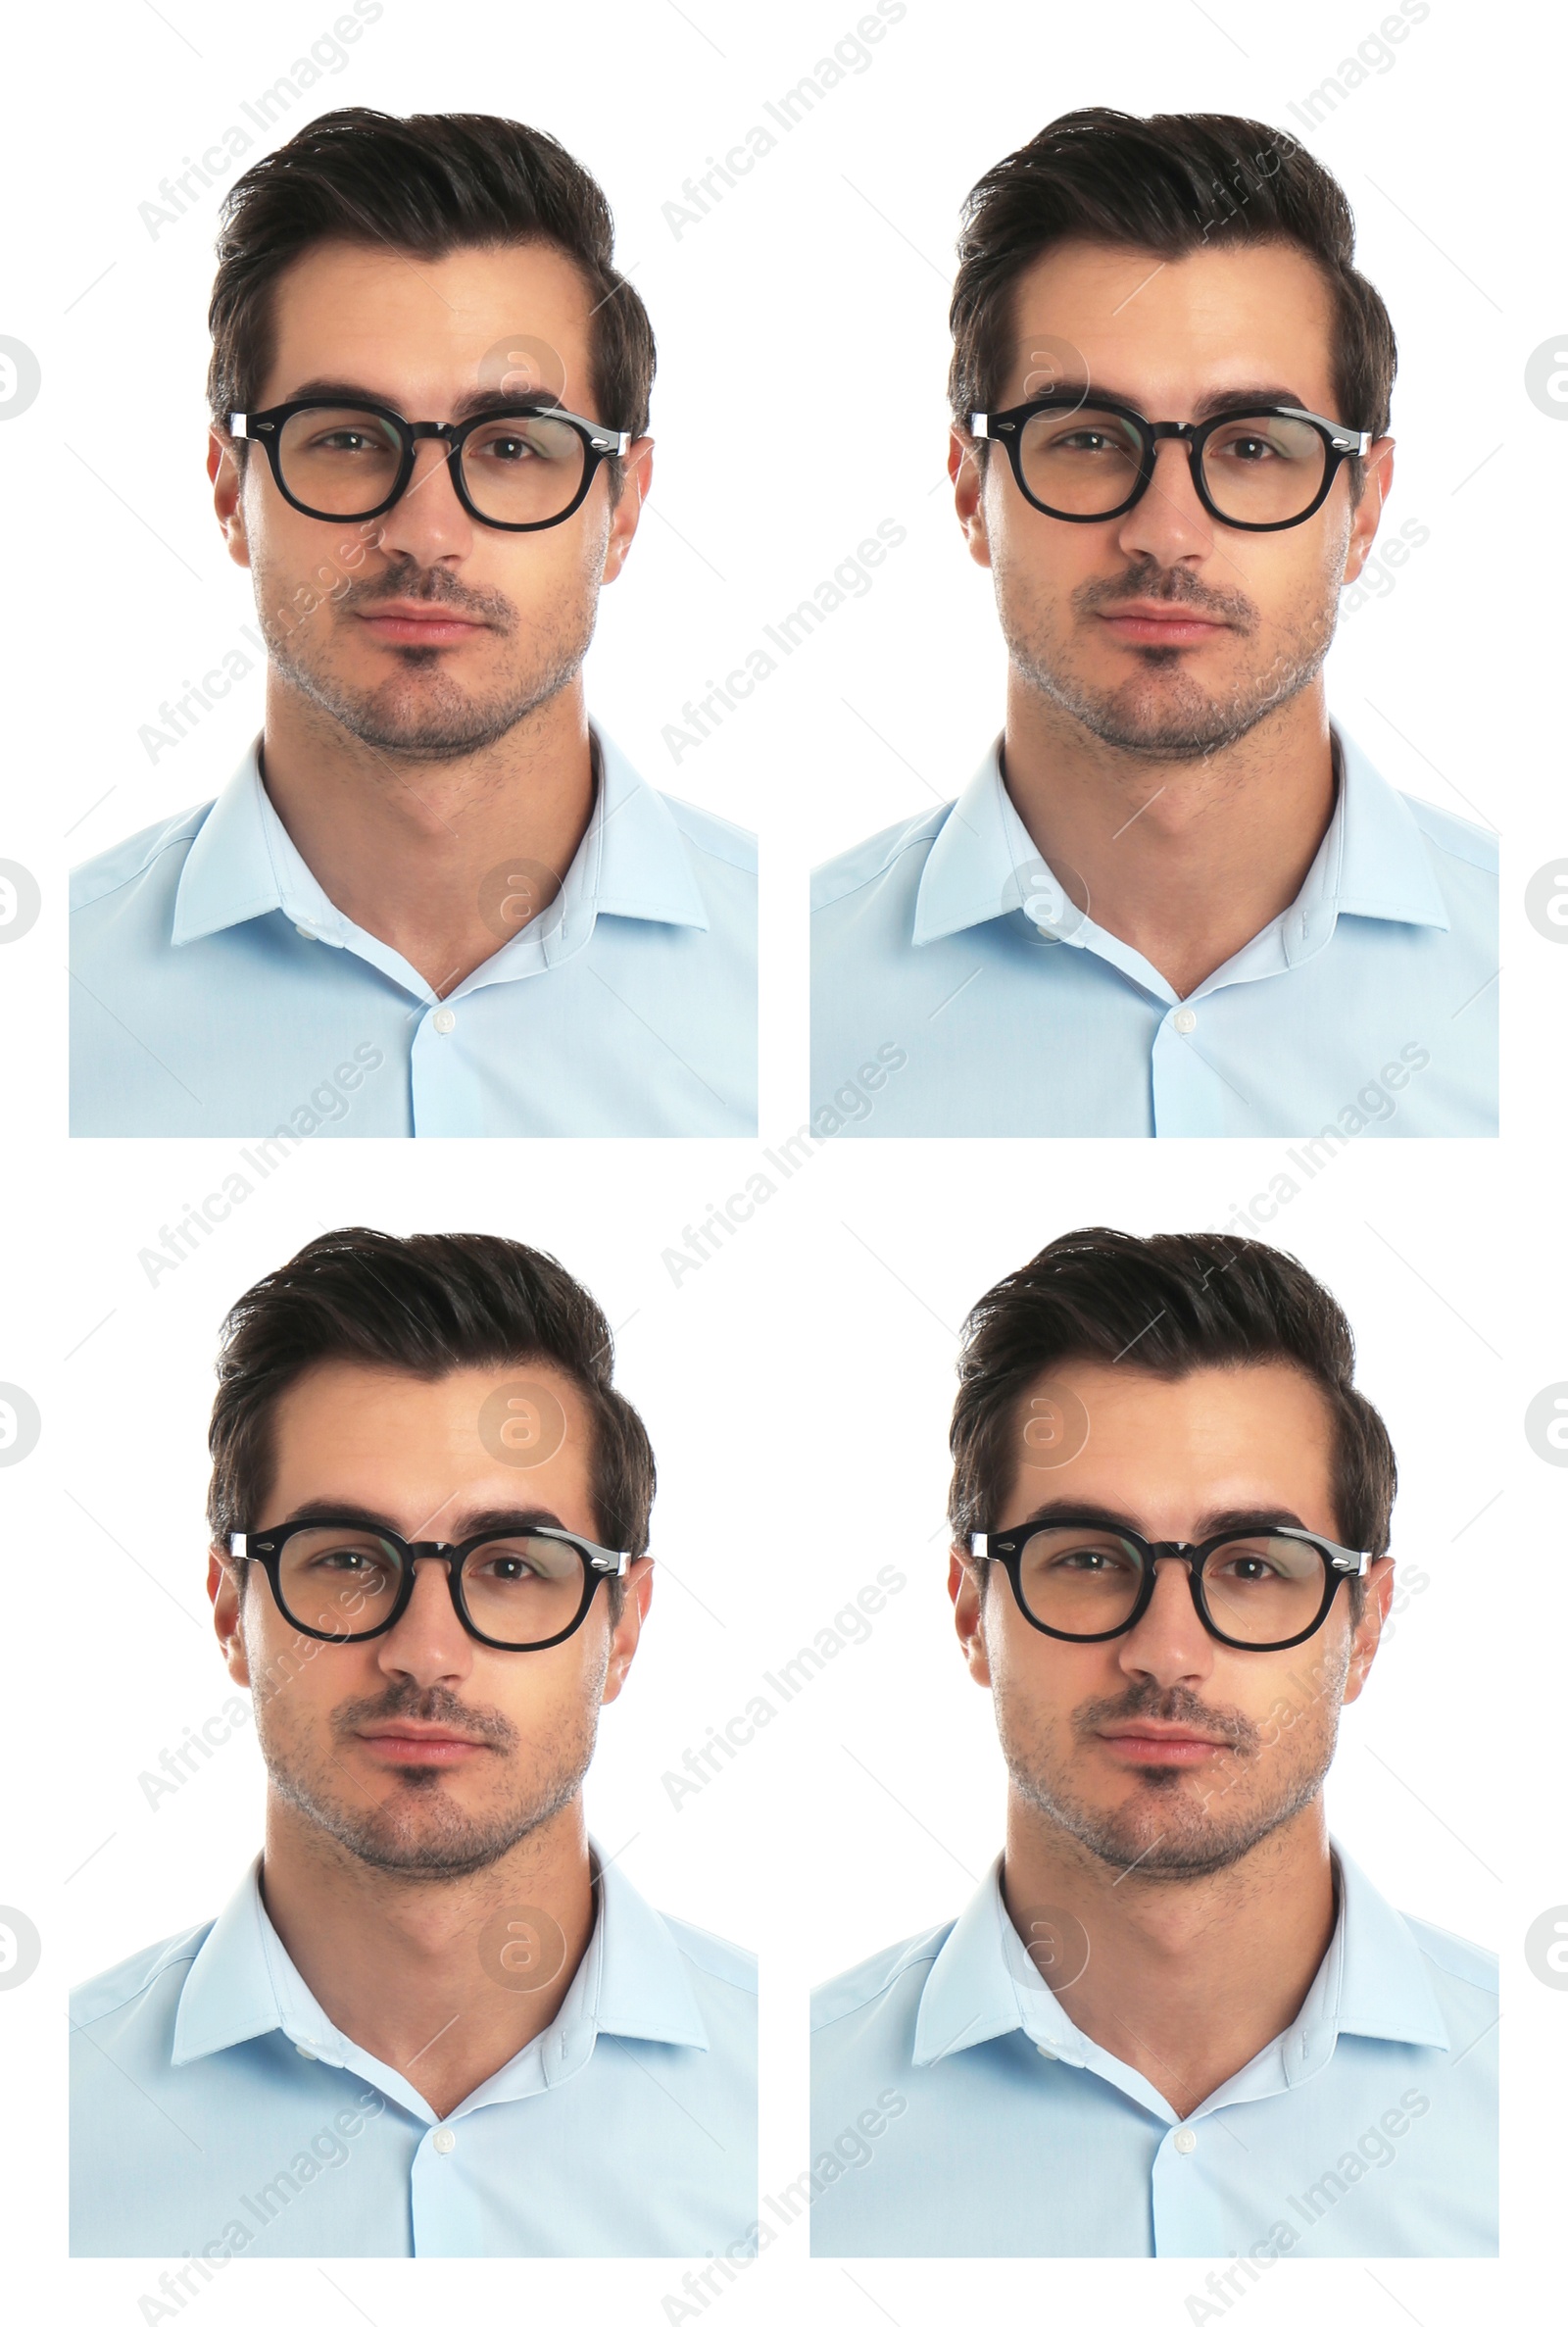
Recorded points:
1169,1643
1169,523
427,522
428,1642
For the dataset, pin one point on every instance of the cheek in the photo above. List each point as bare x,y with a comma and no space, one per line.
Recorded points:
1044,1674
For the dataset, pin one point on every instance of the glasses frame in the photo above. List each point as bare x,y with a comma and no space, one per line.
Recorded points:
265,428
266,1551
1339,1563
1007,429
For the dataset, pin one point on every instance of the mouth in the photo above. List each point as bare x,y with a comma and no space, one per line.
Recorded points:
1153,625
419,1745
414,625
1160,1744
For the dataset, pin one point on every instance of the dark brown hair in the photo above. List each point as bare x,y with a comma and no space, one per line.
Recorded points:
429,185
425,1306
1170,184
1166,1306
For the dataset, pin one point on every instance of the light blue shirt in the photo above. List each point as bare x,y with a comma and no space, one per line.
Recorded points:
1370,2127
1365,1011
216,2110
216,990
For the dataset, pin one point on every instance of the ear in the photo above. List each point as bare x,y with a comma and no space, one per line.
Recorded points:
1375,485
637,476
228,493
223,1591
1378,1595
969,1614
964,459
637,1595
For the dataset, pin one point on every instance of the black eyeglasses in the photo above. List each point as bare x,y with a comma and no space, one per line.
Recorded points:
520,469
513,1586
1259,468
1253,1588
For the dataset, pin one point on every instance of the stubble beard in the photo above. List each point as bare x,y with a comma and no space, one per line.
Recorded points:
1160,711
410,1824
1170,1825
419,712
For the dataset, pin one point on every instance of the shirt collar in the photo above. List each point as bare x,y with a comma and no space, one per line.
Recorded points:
1372,861
1373,1981
632,1982
631,861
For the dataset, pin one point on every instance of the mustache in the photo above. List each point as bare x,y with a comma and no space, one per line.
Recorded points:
428,585
406,1700
1171,586
1146,1701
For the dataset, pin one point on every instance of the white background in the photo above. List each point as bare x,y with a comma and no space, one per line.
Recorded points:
798,1386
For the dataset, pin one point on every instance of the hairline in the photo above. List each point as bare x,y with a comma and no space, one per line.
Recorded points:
1006,290
347,238
266,1416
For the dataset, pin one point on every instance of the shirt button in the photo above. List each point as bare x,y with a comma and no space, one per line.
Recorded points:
1185,1021
304,2051
1186,2140
444,2141
303,929
444,1021
1045,2052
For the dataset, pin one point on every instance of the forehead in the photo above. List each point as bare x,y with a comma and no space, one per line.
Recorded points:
409,328
424,1452
1237,315
1165,1453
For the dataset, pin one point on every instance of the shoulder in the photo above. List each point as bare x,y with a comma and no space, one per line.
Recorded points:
900,847
1454,1958
155,1978
712,837
129,860
900,1970
1453,836
716,1959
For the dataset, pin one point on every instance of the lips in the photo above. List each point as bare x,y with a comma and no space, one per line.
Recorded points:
1156,624
1160,1744
420,1743
418,625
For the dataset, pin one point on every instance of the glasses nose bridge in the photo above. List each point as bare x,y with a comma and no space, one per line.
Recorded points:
445,433
1191,1556
446,1554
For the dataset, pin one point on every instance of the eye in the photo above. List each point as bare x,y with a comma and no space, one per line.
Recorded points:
1249,1567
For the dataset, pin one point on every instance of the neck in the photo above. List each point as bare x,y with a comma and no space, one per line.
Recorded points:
396,1964
1183,859
403,845
1185,1981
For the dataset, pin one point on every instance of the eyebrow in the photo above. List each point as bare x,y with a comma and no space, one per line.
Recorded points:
1061,1513
466,407
1247,398
326,1509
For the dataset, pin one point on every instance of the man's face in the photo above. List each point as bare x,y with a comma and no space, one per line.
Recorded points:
1171,340
424,631
1164,1749
423,1751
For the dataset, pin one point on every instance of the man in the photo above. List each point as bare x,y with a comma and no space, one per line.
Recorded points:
434,2019
1175,901
1175,2018
434,900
